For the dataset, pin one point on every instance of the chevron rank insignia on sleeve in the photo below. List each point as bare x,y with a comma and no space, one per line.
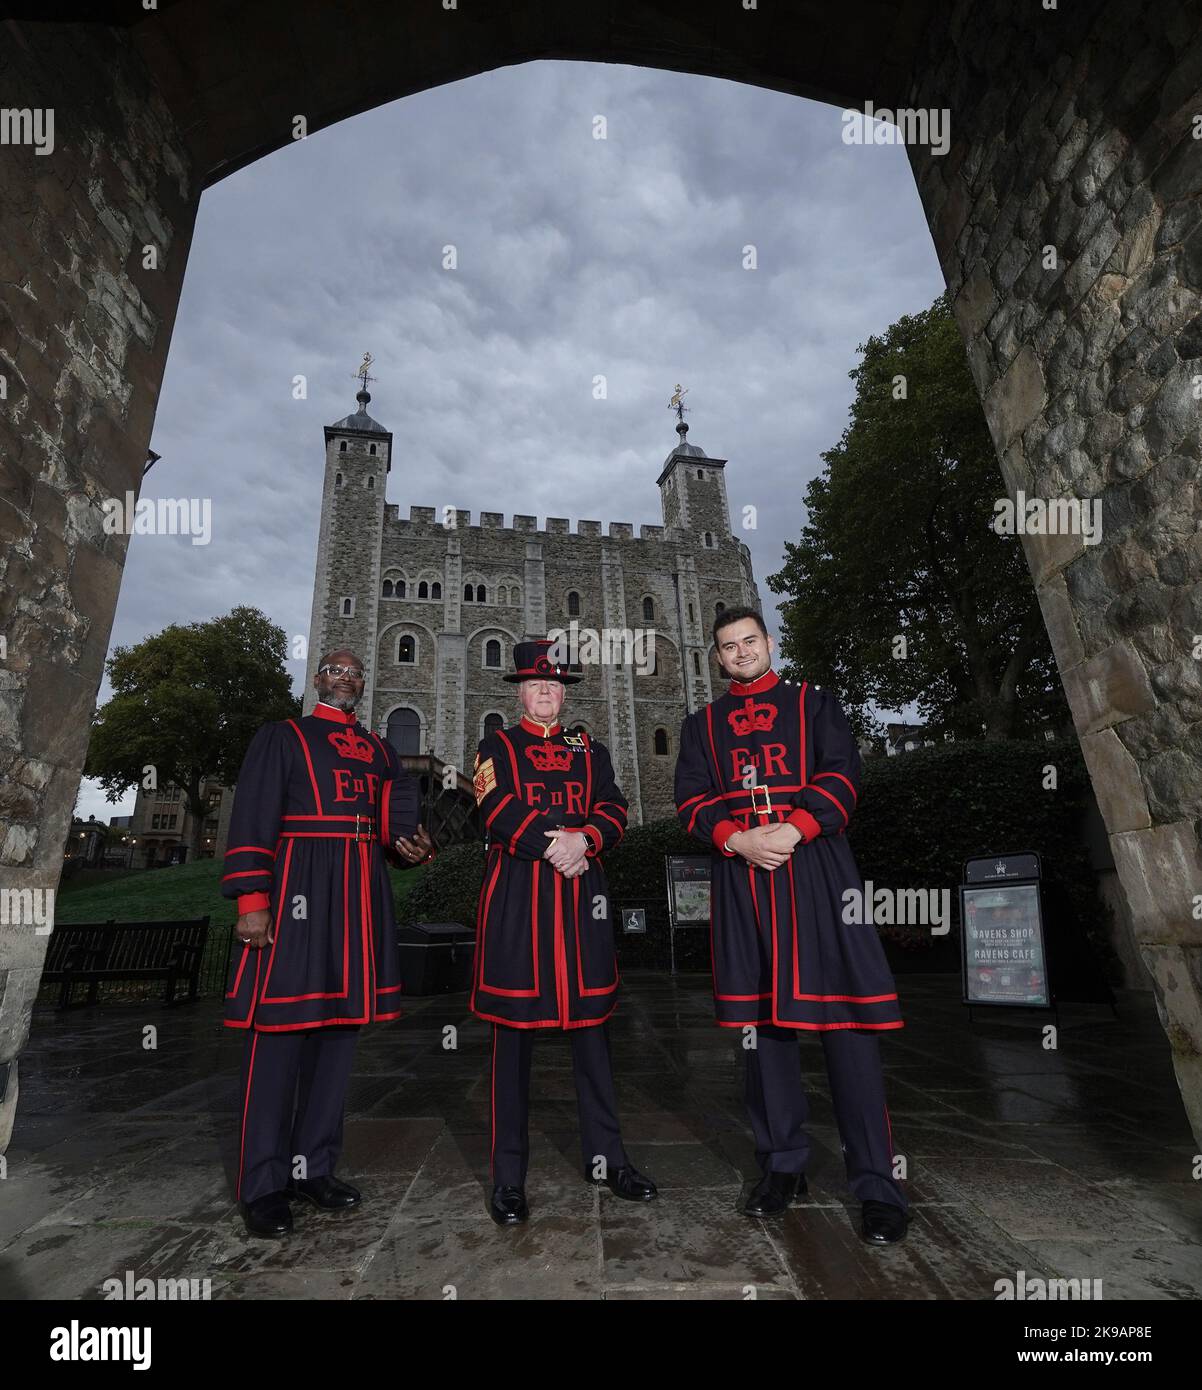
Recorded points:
485,779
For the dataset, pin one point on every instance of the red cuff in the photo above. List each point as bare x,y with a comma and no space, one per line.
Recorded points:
722,832
253,902
594,849
809,827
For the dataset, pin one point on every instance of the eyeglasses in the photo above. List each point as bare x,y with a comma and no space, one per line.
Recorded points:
355,673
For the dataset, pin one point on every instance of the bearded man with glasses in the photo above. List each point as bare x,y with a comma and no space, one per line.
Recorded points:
321,803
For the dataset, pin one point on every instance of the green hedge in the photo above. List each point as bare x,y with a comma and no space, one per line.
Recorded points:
920,815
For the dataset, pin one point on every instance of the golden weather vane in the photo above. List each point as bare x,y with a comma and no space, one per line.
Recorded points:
677,402
362,371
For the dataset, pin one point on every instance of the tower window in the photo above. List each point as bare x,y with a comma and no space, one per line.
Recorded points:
373,450
387,589
423,590
648,608
709,539
492,722
690,612
700,472
342,447
492,652
337,479
696,664
481,595
468,593
661,742
573,604
371,480
348,607
718,607
406,649
436,590
405,731
400,588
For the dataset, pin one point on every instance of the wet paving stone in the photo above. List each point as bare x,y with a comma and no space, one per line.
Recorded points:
1067,1163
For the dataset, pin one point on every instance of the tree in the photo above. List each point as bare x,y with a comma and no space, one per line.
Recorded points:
899,590
186,703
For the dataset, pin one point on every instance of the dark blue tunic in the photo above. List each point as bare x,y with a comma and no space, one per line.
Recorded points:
544,943
781,952
308,840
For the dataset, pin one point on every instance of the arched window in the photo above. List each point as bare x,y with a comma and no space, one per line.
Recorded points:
492,652
709,539
468,593
648,608
342,447
700,473
436,590
406,649
423,590
405,731
481,596
373,450
573,604
371,480
348,607
400,588
337,479
696,664
387,591
492,722
690,612
718,607
661,742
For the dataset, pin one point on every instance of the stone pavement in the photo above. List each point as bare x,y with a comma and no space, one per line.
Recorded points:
1074,1162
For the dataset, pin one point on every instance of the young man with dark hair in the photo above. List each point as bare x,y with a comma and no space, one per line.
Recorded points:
767,777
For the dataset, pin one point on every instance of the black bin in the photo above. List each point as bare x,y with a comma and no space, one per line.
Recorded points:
436,957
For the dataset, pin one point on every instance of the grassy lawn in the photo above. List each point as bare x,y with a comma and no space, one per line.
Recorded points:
182,891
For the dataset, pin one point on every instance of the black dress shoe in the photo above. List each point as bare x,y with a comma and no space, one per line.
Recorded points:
773,1193
882,1223
267,1216
329,1193
507,1206
628,1182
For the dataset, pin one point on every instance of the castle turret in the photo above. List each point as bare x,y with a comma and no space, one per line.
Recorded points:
347,585
692,491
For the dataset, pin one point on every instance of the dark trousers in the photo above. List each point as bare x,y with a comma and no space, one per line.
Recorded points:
596,1104
776,1103
292,1102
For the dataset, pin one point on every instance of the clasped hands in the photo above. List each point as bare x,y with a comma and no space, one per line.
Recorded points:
767,846
568,852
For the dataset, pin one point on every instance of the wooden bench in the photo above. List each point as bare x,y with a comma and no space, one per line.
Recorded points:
93,952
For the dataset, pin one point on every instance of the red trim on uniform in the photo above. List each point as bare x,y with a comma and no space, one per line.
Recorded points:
809,827
561,955
385,798
483,928
493,814
709,723
336,716
492,1148
834,800
251,849
245,873
253,902
250,1076
840,776
537,727
808,1027
309,762
549,1022
761,683
586,830
513,839
586,993
722,832
688,801
620,827
513,759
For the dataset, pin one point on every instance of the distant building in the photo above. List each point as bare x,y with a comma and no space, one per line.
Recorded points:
160,826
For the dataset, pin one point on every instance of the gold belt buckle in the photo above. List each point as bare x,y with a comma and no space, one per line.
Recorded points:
766,809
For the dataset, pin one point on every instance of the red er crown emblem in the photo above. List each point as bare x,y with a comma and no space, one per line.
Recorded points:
752,717
350,745
548,757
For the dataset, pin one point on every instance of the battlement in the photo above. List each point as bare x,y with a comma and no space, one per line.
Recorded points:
460,519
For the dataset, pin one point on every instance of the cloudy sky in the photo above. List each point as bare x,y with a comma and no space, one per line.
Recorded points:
578,258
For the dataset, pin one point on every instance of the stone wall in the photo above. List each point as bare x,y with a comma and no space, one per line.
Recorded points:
1068,222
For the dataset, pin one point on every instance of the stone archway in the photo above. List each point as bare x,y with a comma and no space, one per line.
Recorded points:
1071,128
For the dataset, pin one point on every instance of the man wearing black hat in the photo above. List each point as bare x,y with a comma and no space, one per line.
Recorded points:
544,935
